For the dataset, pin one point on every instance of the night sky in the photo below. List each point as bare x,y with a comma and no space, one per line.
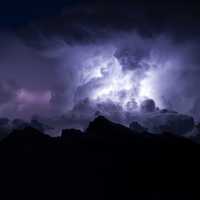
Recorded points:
66,62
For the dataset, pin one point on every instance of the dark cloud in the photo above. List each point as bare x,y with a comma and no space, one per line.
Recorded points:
164,122
85,21
148,105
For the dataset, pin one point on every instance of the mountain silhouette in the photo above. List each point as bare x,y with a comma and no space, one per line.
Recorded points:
106,161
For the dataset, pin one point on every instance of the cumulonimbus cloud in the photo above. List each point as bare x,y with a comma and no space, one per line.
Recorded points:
70,74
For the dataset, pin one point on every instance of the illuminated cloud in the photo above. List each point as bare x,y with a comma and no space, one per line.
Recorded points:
28,97
71,84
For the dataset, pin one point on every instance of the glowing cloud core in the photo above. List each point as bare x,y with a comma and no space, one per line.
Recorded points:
123,87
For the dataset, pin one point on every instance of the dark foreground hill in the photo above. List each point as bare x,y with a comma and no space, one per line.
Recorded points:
107,161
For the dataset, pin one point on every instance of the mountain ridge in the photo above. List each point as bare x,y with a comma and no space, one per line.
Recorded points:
107,161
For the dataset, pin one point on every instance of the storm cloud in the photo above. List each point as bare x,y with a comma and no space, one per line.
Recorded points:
69,69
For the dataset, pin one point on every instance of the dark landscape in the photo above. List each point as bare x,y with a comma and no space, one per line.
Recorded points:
107,161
